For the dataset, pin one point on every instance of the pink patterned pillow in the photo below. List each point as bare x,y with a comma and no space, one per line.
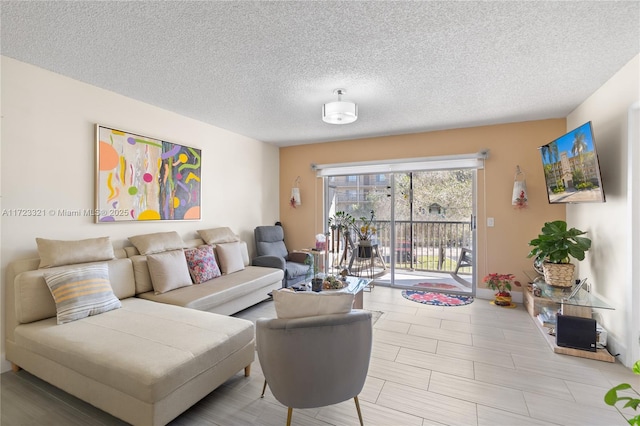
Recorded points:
202,264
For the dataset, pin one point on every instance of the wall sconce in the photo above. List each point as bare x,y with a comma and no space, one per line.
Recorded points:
295,200
519,196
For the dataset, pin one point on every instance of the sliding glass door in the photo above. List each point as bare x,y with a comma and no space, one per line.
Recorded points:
423,227
434,236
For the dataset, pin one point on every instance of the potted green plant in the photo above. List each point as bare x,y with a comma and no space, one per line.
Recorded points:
316,281
365,232
340,224
502,284
612,398
553,249
341,221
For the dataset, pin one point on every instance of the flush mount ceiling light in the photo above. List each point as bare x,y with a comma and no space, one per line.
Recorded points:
340,112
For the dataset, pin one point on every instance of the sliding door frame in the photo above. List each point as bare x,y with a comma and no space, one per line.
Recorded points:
473,162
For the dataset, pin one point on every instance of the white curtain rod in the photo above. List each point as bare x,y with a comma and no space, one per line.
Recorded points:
442,162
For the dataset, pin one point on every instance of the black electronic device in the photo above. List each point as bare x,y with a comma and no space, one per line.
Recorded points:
576,332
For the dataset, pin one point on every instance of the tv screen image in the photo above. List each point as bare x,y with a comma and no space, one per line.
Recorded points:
571,168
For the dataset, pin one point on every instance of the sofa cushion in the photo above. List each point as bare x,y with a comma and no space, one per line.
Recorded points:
245,253
33,300
299,304
230,256
141,268
218,235
141,274
168,271
58,253
227,288
145,349
202,264
157,242
131,251
81,292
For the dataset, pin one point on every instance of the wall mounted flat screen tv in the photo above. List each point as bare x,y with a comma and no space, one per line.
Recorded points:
571,168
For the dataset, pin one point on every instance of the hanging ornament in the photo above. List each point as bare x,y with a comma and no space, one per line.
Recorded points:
519,196
295,201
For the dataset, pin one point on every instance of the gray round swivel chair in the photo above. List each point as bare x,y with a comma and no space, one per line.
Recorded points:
315,361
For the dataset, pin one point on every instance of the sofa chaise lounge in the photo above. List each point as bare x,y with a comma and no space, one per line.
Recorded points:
146,361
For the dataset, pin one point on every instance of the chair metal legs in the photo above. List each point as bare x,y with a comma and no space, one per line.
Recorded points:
264,388
355,398
290,409
289,413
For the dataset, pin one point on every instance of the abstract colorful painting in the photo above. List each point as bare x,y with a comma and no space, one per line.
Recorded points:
141,178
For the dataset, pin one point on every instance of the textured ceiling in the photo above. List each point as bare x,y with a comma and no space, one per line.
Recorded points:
264,69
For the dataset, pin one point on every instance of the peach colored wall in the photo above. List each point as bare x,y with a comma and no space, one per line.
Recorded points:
502,248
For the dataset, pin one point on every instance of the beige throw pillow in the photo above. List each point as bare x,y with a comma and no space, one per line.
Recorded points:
299,304
157,242
58,253
230,256
218,236
168,271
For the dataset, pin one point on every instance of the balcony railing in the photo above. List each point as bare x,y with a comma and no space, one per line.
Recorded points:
435,246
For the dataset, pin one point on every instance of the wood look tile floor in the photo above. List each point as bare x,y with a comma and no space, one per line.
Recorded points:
470,365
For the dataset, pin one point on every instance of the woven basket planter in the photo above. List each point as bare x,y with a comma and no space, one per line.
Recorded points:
558,274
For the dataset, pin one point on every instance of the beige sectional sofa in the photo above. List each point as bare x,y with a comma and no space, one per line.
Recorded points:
147,361
225,295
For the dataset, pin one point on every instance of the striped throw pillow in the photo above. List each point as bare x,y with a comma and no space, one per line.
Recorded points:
81,292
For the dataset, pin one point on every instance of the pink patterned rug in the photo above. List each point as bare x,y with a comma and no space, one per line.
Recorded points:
437,286
437,299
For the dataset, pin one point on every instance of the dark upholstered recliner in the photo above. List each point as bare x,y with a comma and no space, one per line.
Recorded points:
272,252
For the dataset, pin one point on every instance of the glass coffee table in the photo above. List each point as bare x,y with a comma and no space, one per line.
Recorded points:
354,285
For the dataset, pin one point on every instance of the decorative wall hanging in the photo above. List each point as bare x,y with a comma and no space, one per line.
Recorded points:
141,178
519,196
295,200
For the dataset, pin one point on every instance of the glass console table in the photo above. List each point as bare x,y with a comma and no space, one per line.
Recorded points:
578,305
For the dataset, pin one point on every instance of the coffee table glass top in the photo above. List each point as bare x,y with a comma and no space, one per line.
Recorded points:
354,285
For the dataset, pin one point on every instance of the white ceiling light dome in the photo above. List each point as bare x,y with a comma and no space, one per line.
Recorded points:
340,112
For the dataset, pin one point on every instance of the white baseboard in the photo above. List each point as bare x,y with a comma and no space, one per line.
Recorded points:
4,364
485,293
615,347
